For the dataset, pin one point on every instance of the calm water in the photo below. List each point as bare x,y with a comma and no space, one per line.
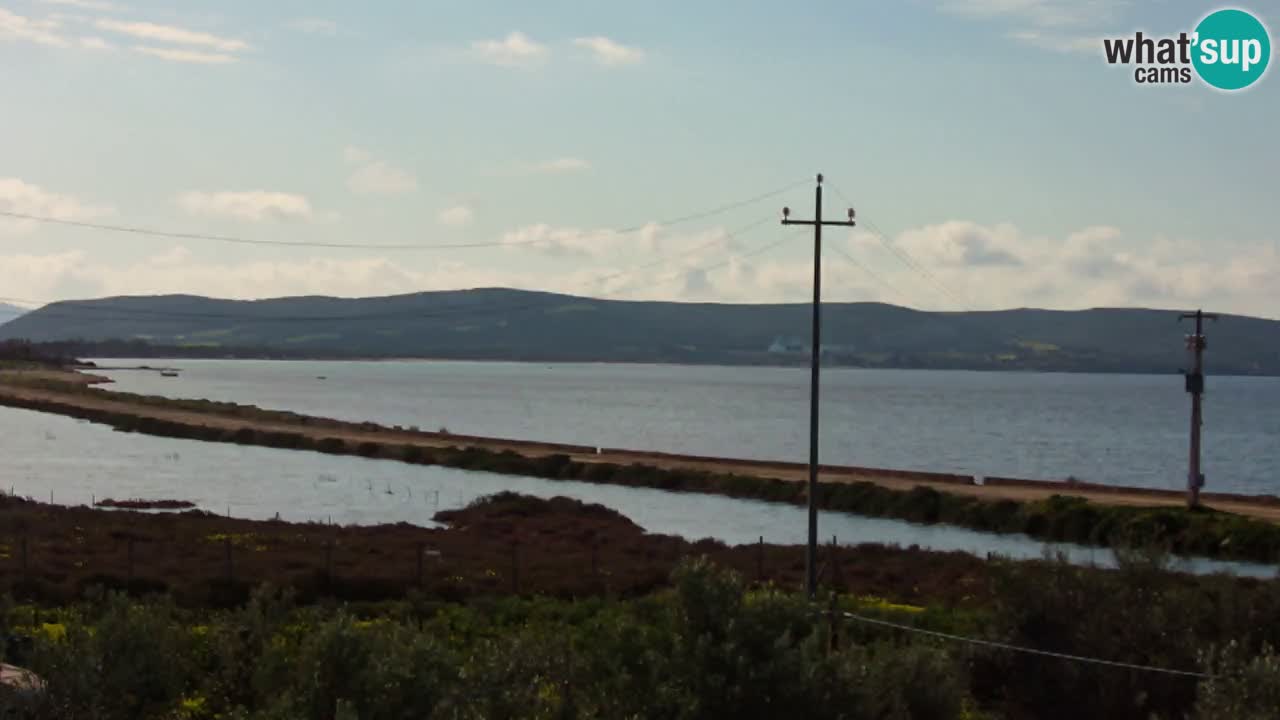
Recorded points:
1117,429
77,461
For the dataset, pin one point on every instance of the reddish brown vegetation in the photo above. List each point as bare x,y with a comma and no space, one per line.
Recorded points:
512,543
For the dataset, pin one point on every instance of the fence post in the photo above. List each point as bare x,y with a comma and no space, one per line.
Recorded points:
760,560
226,546
515,567
421,551
328,564
836,580
832,626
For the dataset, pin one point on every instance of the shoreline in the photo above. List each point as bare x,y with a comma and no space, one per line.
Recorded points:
1237,527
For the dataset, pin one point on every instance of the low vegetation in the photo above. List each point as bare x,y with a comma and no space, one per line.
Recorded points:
505,544
708,644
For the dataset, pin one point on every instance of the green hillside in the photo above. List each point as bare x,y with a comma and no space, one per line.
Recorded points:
522,325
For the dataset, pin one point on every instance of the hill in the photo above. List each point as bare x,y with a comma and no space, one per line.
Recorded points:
9,312
536,326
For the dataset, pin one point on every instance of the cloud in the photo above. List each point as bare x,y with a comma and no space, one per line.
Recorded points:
94,5
1040,13
254,206
608,52
563,165
963,244
29,199
41,32
516,50
561,241
555,166
568,242
1062,26
50,32
169,34
185,56
95,43
1092,267
1059,43
315,26
456,216
376,177
176,270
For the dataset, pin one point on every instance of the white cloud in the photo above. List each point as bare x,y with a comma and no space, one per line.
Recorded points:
52,32
41,32
185,56
26,198
171,35
515,50
376,177
95,43
986,266
1063,26
94,5
355,155
1040,13
563,165
608,52
176,270
315,26
554,166
456,216
563,242
1059,43
254,206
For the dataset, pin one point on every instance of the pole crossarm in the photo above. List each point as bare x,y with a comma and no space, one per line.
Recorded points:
845,223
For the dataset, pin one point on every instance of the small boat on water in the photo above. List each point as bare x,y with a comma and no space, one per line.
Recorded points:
168,373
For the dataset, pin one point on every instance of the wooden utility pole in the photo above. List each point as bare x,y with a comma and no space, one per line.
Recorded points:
815,352
1195,385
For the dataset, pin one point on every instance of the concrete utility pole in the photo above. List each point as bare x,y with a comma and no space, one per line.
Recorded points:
815,351
1195,385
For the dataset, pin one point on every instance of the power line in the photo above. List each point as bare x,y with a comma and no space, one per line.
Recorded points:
906,259
869,272
1026,650
150,232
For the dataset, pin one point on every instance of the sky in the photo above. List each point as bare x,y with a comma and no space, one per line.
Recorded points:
993,158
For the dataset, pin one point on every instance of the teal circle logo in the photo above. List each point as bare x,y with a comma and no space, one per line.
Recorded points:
1231,49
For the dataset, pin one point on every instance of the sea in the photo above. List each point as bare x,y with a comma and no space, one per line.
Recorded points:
1105,428
1113,429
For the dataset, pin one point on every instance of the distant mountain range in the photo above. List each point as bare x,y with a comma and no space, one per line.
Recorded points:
9,312
502,324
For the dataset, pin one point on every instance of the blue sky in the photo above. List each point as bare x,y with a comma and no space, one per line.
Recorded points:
984,141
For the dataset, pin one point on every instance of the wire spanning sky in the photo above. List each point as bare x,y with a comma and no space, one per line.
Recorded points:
984,141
